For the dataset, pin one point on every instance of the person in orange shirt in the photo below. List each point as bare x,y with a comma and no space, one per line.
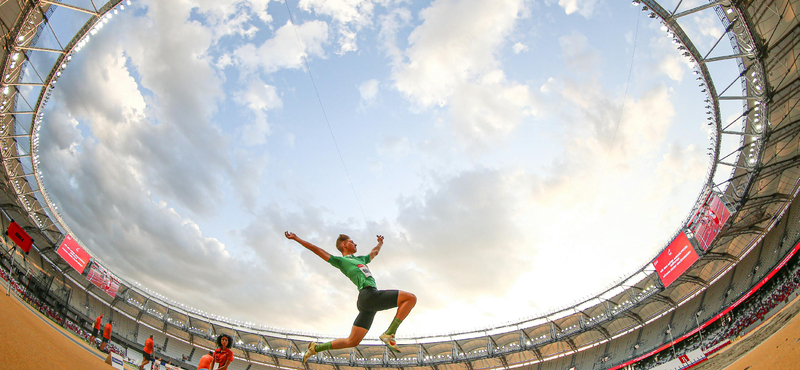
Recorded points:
148,352
95,329
106,335
223,355
206,361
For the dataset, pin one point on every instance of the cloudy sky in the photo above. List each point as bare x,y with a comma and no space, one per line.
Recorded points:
517,155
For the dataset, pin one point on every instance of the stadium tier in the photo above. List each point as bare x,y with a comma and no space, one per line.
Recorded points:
746,265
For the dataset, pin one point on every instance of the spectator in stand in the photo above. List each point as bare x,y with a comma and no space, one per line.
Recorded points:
206,361
223,355
106,335
147,356
95,329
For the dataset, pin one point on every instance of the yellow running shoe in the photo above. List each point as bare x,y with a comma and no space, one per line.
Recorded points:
389,340
310,352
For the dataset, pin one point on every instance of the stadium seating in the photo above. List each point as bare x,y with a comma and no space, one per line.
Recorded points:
178,348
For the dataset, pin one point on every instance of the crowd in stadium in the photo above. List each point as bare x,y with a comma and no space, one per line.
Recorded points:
763,304
33,300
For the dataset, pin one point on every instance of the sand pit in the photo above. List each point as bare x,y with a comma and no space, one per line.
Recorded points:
34,342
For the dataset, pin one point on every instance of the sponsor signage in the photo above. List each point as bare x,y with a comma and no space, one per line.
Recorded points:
71,252
19,236
116,361
683,361
675,259
709,220
103,279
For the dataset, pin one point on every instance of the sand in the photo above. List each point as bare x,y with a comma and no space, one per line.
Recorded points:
35,342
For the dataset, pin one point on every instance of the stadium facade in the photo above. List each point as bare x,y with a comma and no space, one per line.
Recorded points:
743,227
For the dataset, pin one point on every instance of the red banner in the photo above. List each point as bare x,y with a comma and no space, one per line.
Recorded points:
19,236
103,279
675,260
709,220
71,252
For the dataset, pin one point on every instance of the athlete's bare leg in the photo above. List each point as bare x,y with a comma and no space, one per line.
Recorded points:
356,335
405,302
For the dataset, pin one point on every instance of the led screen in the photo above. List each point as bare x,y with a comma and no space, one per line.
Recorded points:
675,260
71,252
103,279
709,220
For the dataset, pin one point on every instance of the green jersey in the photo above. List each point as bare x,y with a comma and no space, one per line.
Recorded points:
355,268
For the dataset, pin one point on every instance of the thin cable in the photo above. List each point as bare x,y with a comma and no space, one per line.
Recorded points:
621,111
619,119
330,129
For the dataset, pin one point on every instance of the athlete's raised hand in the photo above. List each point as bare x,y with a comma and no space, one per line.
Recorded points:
317,250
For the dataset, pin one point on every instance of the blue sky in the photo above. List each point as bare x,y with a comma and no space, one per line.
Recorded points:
517,155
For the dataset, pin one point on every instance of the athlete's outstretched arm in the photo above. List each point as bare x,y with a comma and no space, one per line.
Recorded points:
374,252
317,250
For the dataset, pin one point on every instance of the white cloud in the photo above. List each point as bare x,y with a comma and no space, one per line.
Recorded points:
226,18
238,25
152,157
187,90
260,98
582,7
390,24
708,26
283,50
670,60
577,53
356,12
475,213
369,90
519,47
350,17
394,147
491,107
457,42
224,61
451,60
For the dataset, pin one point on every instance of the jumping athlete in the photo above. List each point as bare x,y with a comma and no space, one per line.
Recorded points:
370,299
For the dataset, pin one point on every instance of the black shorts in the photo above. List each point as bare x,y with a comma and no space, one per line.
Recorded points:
148,357
94,332
372,300
105,340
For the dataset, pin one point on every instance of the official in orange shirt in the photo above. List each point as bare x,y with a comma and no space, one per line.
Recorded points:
148,351
223,355
106,335
206,361
95,329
